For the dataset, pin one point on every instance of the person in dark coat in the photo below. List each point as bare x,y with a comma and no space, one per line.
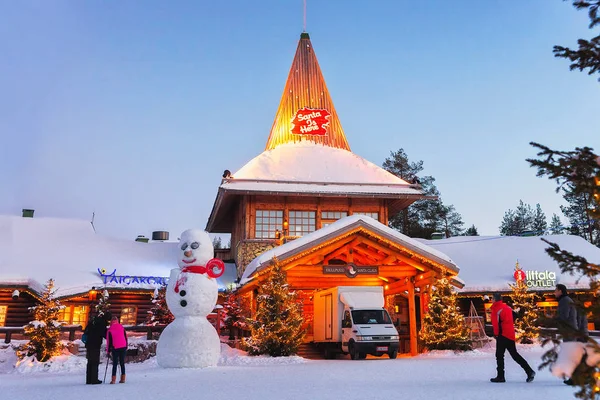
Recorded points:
566,314
95,331
504,332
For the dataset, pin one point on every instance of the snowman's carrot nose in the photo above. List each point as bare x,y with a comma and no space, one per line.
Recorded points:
187,253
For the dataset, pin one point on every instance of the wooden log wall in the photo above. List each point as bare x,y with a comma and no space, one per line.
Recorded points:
18,310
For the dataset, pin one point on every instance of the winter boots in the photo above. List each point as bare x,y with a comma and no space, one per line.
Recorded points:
498,379
122,379
530,376
113,380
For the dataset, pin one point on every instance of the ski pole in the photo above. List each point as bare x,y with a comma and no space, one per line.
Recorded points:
106,370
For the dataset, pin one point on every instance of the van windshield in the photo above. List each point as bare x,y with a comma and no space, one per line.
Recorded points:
371,317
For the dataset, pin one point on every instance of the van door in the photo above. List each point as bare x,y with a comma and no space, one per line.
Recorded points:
346,330
328,317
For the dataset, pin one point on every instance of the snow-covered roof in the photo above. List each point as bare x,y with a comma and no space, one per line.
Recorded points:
337,228
487,262
33,250
306,163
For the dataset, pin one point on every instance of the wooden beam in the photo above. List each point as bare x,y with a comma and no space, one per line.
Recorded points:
412,318
399,256
372,253
352,241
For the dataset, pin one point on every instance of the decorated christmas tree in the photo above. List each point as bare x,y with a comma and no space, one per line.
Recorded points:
103,305
524,306
277,329
234,315
159,313
444,326
44,330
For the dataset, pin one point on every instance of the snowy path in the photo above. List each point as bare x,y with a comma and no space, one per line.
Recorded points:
426,377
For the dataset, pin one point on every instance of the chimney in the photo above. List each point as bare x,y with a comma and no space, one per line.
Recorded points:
142,239
27,213
160,236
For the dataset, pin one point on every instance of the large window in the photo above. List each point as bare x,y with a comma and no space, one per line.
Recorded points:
301,222
128,315
267,222
74,315
374,215
3,311
329,217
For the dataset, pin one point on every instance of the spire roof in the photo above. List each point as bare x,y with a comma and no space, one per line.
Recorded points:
306,111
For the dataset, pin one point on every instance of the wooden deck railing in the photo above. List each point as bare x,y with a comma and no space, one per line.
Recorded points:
72,329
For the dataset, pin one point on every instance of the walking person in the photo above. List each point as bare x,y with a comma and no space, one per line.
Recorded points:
116,342
567,315
94,333
504,332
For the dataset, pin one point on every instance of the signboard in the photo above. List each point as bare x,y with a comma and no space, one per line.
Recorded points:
310,121
537,279
350,270
131,279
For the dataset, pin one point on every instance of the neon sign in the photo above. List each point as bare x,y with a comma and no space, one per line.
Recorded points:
310,121
131,279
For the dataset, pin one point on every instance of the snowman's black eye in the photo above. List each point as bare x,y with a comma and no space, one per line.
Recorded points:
184,246
195,245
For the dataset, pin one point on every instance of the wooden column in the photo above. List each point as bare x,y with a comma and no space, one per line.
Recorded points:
412,318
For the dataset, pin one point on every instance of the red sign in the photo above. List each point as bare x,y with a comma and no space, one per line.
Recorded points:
520,275
310,121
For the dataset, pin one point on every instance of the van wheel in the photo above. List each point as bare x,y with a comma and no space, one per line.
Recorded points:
393,354
353,353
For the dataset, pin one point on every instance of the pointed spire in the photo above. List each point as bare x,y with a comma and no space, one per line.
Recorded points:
306,111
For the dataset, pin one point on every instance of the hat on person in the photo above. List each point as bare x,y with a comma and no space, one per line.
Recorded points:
497,296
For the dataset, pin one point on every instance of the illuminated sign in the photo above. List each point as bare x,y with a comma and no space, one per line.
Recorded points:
131,279
310,121
538,279
350,270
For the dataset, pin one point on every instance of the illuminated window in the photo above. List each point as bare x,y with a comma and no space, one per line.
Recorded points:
267,222
128,315
74,315
329,217
301,222
374,215
3,311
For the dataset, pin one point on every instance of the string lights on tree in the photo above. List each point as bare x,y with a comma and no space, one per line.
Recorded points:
444,326
525,307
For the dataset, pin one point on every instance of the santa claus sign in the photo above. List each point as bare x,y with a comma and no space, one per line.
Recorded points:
310,121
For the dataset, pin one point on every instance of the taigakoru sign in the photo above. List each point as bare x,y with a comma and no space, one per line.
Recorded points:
127,280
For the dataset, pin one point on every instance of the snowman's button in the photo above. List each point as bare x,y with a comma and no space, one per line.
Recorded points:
182,293
183,303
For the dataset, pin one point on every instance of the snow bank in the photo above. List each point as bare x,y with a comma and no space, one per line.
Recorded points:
231,357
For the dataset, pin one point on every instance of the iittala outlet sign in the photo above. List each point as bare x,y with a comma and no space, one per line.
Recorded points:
310,121
540,279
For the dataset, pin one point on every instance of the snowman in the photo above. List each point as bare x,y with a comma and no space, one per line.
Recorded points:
190,341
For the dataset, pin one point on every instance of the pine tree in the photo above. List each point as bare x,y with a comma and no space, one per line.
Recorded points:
103,305
277,329
578,214
472,231
580,169
234,315
587,56
523,303
508,227
539,224
451,222
44,330
518,221
217,243
444,326
159,313
556,226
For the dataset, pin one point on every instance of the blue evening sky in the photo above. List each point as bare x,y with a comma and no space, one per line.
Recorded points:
133,109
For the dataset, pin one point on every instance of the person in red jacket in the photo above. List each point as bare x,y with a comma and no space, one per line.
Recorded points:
504,332
116,341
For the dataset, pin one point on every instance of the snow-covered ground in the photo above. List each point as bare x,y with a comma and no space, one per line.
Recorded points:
436,375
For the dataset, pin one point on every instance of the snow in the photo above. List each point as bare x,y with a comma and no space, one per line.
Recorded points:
441,375
71,253
342,226
487,262
310,167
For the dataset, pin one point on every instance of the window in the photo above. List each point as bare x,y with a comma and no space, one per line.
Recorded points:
267,222
329,217
371,317
347,322
74,315
3,311
128,315
374,215
301,222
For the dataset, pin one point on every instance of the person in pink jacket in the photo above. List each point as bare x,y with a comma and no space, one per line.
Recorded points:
116,341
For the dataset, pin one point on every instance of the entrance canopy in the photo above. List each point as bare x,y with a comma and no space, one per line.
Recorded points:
356,250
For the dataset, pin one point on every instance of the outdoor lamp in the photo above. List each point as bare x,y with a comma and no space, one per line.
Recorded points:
15,294
92,294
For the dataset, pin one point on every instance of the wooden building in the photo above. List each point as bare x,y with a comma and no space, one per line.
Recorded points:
307,182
